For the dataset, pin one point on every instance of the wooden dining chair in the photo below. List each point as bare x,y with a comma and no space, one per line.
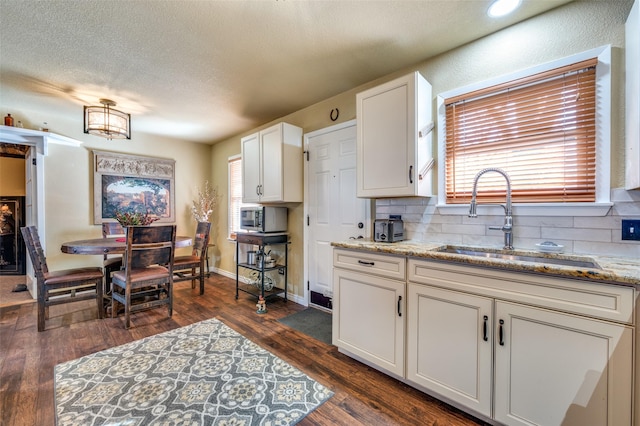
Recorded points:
62,286
147,278
111,263
191,267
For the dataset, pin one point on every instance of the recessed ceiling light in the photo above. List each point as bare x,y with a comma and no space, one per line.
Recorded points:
502,7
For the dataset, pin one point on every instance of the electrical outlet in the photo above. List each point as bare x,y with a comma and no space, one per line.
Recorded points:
631,230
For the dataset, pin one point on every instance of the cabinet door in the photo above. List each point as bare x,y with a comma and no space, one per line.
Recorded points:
368,318
394,141
449,344
632,97
271,146
560,369
385,127
251,168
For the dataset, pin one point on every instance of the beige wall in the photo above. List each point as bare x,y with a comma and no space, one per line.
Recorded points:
310,119
565,31
68,180
571,29
12,177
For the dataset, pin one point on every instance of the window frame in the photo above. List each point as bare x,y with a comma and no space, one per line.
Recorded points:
231,232
602,202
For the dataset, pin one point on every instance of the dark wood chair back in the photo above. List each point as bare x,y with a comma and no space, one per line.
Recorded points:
201,241
111,229
111,263
150,245
147,278
34,248
191,268
68,285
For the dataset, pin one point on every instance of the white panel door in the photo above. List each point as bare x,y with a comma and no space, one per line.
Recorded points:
334,212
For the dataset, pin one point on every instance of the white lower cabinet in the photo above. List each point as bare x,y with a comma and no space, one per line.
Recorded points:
449,344
515,363
558,369
368,309
513,348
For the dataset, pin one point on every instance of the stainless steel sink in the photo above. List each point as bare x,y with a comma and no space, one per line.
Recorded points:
554,259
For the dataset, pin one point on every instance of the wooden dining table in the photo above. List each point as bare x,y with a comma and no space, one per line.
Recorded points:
111,245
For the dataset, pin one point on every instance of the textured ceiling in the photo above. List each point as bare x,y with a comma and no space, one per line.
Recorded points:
206,70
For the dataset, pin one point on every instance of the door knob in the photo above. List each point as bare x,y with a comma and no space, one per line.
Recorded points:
360,225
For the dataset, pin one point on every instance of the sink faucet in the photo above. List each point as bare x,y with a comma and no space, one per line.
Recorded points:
507,228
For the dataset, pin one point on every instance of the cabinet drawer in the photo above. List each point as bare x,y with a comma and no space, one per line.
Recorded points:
378,264
596,300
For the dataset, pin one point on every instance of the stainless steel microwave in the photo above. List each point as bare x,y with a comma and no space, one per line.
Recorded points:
263,219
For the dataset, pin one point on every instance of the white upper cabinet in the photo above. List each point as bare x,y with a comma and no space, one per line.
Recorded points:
632,96
272,165
394,142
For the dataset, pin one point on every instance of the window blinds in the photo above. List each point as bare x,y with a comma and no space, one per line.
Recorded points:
235,196
539,129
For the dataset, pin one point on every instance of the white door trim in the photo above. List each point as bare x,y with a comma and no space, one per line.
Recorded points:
34,199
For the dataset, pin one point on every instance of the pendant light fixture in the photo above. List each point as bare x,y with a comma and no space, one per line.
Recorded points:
107,122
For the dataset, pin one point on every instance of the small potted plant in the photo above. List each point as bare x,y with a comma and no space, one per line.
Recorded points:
134,218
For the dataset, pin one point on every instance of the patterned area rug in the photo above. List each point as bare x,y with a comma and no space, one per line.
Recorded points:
201,374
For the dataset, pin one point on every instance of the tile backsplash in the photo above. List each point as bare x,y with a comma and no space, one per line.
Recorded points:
579,235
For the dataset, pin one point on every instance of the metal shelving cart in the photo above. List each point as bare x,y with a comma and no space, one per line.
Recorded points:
262,240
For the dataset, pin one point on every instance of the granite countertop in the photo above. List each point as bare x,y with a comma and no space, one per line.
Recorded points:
618,270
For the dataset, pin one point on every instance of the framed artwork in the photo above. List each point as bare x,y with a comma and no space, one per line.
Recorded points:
134,184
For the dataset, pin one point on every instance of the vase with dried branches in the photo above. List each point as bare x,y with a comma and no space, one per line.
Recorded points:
206,202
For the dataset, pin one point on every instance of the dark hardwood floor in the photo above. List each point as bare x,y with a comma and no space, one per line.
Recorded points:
363,396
